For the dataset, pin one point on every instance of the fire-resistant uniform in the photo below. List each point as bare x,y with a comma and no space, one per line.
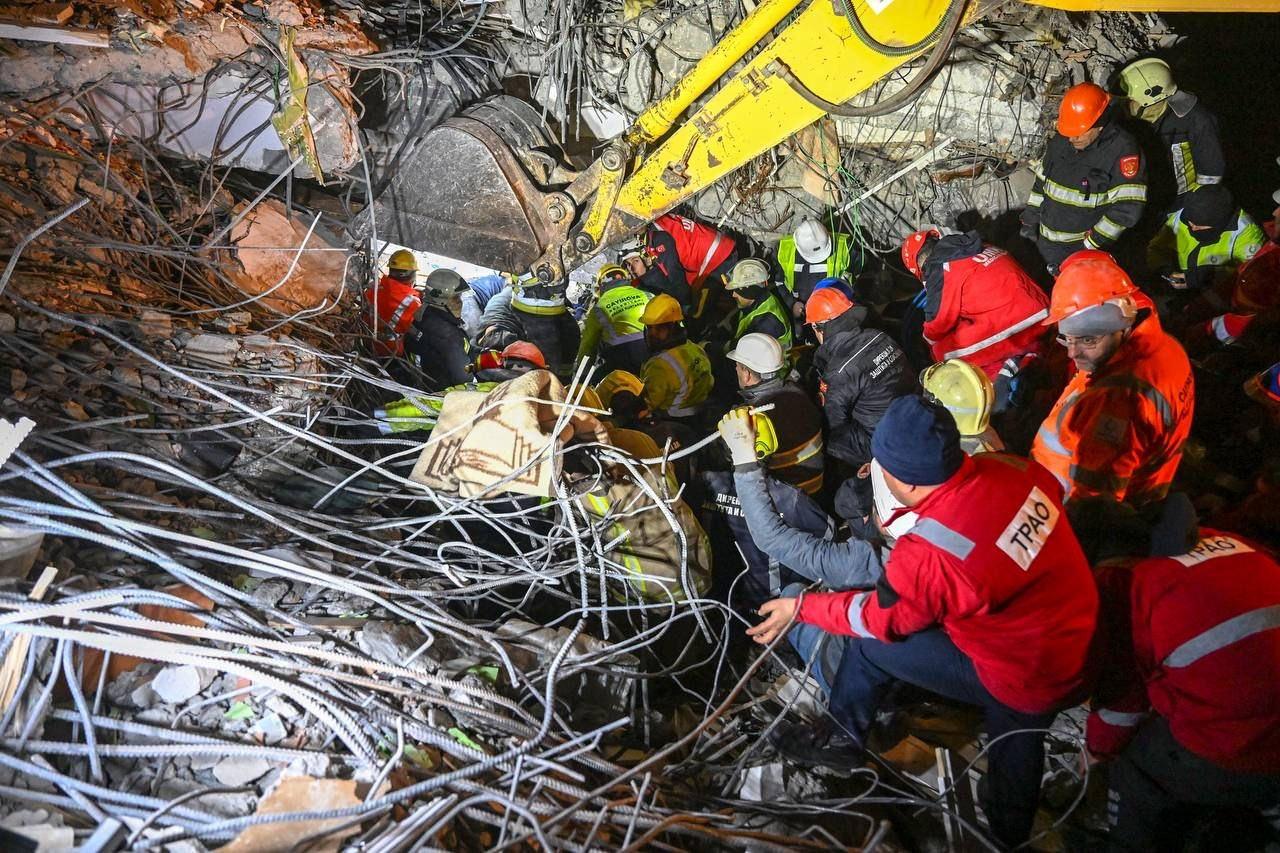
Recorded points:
686,255
394,304
796,277
439,343
767,316
1190,135
798,427
613,327
1119,431
1086,199
545,321
862,371
1177,247
677,381
1189,693
1008,587
980,305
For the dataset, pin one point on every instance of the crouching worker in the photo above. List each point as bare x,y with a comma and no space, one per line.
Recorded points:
1188,706
987,600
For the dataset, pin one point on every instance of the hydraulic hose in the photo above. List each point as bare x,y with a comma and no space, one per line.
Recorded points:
948,27
890,49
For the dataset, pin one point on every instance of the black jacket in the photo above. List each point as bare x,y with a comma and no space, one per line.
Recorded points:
440,344
863,371
1087,199
765,577
798,424
1190,132
556,335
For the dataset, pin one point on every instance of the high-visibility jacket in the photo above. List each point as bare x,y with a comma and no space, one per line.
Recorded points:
1119,431
614,323
392,306
797,423
1190,133
798,276
1195,639
677,381
420,412
992,561
756,318
1087,199
1232,248
989,310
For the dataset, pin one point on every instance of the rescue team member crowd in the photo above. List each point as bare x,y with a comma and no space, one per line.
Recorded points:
888,528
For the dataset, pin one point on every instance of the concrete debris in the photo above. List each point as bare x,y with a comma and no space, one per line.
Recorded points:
177,684
283,262
236,771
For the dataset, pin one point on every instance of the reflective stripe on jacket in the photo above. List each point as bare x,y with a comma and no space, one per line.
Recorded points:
1009,584
1119,431
394,304
1196,639
677,381
700,248
1190,134
614,320
794,267
989,311
797,423
769,306
1231,249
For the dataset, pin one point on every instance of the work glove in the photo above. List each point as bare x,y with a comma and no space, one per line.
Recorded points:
739,434
1029,231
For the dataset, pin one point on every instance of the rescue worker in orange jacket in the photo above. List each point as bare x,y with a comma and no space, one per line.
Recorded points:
393,303
1119,426
1188,705
980,305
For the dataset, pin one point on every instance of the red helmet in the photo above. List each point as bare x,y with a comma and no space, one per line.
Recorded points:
1087,278
1257,286
911,249
525,351
826,304
1082,106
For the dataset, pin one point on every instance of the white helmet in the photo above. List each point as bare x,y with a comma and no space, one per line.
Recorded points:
751,272
813,241
759,352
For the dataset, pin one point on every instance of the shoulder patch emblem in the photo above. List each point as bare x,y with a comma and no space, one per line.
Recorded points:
1129,165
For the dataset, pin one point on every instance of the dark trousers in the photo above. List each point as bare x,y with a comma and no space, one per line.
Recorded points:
1155,775
930,660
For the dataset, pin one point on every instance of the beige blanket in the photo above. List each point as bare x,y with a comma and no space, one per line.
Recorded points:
482,439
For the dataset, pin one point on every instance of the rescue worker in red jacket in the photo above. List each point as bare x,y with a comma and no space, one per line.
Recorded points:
980,305
681,257
393,303
1119,426
987,600
1188,705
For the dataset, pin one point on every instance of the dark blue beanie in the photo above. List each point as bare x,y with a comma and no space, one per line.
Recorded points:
917,442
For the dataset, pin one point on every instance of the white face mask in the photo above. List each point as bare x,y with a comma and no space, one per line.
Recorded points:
886,505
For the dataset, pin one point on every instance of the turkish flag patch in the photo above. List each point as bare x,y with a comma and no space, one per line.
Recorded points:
1129,165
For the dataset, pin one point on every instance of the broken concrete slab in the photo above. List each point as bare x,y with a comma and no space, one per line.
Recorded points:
235,771
177,684
284,263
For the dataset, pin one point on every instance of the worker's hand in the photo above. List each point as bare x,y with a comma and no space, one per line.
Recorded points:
1029,231
739,434
777,616
1088,761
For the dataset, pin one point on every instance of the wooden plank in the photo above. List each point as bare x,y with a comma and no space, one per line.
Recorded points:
55,35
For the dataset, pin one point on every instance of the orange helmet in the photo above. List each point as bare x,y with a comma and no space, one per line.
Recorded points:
1089,278
525,351
911,249
1082,106
826,304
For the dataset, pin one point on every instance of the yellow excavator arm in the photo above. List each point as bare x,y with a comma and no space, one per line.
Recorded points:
830,53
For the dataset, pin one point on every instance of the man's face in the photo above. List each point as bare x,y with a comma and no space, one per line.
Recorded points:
636,265
1085,139
741,300
1091,352
817,331
655,336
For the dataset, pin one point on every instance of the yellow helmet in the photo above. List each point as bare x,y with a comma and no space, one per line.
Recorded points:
965,391
1148,83
589,397
403,260
608,272
615,381
662,308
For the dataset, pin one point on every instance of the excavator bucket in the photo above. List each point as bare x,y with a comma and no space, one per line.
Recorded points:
478,189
